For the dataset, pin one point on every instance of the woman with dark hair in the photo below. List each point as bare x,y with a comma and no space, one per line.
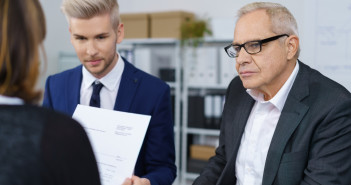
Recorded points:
37,146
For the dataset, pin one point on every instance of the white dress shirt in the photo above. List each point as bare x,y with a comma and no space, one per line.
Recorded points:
6,100
111,82
258,133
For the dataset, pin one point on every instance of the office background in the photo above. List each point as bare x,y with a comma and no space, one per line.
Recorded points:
325,40
324,27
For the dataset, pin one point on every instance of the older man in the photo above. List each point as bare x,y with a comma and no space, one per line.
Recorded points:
283,122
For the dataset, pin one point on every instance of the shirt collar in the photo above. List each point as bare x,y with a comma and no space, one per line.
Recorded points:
279,99
6,100
110,81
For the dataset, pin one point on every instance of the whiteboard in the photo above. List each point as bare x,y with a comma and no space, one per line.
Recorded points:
326,38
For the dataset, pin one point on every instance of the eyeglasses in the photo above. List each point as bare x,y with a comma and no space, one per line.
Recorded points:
251,47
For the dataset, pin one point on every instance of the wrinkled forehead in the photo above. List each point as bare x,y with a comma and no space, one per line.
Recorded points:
255,25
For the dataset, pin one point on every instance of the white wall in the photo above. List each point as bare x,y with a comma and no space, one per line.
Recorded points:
57,38
314,27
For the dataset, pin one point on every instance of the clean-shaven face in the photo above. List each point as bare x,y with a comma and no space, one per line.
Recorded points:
95,42
269,69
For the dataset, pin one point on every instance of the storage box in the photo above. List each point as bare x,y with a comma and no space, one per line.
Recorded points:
136,25
167,24
202,152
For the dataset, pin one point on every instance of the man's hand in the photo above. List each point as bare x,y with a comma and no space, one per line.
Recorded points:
135,180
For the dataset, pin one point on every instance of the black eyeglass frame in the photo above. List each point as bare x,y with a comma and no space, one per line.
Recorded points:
260,42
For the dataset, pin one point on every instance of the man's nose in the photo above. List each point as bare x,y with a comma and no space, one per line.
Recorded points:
91,49
243,56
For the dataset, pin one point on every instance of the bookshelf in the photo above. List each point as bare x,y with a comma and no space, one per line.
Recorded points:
186,82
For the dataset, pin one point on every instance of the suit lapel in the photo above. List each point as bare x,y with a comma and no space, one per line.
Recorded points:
73,91
236,129
128,87
290,118
242,117
239,106
288,122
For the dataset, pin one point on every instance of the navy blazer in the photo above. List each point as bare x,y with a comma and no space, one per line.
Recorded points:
139,93
311,143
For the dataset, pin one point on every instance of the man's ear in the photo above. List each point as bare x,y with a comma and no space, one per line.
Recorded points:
292,46
120,33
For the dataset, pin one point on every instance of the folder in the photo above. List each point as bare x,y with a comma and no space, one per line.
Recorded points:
208,111
227,68
154,60
196,111
217,110
202,66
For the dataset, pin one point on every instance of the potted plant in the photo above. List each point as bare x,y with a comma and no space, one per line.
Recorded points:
193,32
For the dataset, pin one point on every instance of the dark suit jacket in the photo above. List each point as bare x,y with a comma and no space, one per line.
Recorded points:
39,146
311,143
139,93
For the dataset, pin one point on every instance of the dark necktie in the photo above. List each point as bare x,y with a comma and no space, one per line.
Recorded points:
95,97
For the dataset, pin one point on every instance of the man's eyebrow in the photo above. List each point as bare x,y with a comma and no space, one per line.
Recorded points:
105,33
100,34
252,40
237,43
77,35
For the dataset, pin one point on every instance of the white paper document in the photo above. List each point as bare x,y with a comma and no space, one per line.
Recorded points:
116,138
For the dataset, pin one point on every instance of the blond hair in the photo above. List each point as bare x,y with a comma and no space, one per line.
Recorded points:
85,9
283,22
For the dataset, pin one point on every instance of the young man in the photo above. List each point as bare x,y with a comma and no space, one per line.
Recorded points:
95,30
283,122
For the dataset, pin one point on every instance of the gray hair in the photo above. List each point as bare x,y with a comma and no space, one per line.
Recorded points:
85,9
283,22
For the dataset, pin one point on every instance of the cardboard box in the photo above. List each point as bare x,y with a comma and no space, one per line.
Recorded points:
136,25
202,152
167,24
